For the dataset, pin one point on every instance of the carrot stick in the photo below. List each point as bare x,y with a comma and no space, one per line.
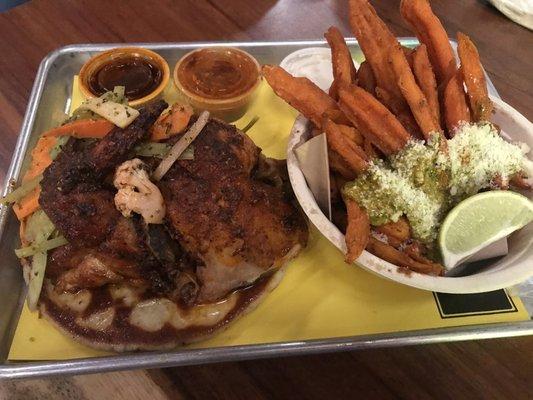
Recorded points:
39,162
40,157
474,78
83,128
171,122
28,205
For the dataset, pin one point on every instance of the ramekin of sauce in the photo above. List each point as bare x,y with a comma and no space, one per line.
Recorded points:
221,80
143,73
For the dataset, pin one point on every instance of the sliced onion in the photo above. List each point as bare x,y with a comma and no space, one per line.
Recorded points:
180,146
38,267
40,247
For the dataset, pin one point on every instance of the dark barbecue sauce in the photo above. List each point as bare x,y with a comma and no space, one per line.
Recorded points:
138,75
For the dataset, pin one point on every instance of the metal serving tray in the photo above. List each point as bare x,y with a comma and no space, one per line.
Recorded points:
49,101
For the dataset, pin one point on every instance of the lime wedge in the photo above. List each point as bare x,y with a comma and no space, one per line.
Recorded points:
481,220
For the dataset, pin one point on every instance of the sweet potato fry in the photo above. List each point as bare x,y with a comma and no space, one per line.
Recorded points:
500,183
352,154
412,93
399,230
394,256
519,181
376,40
474,78
369,149
425,77
352,134
337,164
343,67
414,251
337,182
300,93
337,116
455,106
332,91
357,230
401,110
408,53
365,78
373,119
429,30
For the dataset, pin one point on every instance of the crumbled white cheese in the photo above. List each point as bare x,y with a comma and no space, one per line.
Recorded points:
477,155
423,181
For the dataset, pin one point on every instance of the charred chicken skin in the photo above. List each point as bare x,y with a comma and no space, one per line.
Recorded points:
230,217
238,224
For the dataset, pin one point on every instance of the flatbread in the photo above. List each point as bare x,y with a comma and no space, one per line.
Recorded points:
123,318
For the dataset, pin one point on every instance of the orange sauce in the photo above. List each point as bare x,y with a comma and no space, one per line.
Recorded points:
217,73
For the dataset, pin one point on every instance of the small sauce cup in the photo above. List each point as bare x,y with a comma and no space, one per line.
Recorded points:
142,72
221,80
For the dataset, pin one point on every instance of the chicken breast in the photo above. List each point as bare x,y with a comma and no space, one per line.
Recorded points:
222,210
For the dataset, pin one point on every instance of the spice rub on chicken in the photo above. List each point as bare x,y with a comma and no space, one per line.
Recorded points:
220,222
229,208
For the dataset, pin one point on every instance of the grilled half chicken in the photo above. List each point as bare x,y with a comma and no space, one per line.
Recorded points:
230,217
239,225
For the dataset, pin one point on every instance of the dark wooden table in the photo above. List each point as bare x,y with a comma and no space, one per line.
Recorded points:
489,369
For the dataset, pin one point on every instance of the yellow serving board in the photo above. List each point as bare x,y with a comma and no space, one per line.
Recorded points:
320,296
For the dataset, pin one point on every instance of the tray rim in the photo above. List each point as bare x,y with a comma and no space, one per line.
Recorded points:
147,360
22,369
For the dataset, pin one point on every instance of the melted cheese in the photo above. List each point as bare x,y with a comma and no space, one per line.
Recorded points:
125,294
204,315
151,315
99,321
76,302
